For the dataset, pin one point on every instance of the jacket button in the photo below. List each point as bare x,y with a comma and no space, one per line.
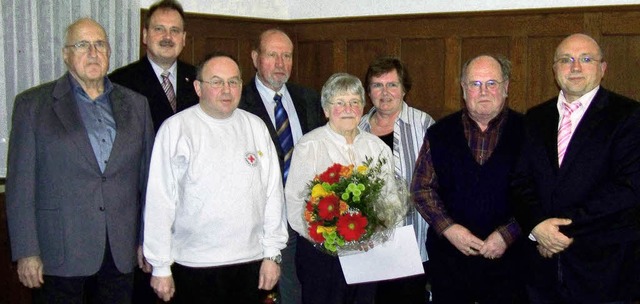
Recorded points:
101,208
104,179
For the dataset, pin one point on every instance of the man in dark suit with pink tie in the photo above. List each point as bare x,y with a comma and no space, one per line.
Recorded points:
576,189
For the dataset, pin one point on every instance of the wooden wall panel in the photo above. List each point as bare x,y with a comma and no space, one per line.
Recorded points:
361,52
434,46
541,84
314,61
426,55
626,50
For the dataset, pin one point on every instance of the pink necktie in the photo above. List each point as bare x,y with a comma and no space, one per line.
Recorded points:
168,89
564,133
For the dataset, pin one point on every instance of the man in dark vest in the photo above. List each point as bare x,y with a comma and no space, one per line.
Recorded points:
460,186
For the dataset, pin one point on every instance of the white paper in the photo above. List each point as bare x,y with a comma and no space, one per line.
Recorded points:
396,258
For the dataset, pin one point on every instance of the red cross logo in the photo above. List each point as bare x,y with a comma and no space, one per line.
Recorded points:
251,159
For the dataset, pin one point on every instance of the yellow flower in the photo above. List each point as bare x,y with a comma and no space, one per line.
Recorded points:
362,169
327,229
318,191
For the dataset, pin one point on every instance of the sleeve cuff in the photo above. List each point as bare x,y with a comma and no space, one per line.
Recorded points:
164,271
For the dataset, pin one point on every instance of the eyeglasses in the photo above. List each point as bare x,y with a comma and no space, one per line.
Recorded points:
161,30
489,85
343,104
218,83
390,85
84,46
582,60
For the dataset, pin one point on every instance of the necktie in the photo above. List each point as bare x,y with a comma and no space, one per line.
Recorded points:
168,89
284,134
564,133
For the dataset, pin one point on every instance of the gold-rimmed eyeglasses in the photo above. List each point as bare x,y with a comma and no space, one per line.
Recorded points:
572,60
84,46
490,84
218,83
376,86
343,104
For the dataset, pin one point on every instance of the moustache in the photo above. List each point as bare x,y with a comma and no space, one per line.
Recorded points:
166,42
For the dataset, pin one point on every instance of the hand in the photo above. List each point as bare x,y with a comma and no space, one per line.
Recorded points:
164,287
544,252
30,271
548,235
142,261
269,274
463,240
494,246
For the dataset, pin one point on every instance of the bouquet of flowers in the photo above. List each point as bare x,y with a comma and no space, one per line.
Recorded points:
352,207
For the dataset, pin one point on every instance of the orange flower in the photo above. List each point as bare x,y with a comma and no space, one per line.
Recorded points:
343,207
352,226
346,171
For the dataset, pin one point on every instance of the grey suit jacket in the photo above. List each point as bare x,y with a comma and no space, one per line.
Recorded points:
60,206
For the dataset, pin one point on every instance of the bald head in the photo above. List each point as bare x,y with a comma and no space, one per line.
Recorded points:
74,28
579,66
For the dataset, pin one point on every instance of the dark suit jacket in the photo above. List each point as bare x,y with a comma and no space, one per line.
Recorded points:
60,206
597,187
140,77
306,102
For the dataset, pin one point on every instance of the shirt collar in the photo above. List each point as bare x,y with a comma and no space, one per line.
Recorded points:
77,88
585,99
266,92
495,122
173,69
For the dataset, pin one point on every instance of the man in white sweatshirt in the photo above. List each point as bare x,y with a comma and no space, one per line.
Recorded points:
214,218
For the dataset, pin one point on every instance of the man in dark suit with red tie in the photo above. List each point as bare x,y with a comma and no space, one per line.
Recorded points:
276,101
164,80
576,189
160,76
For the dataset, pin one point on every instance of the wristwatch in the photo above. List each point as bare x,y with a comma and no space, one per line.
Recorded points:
276,259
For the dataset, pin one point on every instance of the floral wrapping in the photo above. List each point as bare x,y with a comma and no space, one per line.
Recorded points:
353,208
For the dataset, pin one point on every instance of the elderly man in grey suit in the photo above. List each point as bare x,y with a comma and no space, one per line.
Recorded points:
77,169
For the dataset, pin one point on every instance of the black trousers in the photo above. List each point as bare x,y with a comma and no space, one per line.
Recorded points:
223,284
460,279
322,279
409,290
107,286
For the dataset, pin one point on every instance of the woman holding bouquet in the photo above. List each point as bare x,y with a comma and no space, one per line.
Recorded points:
341,142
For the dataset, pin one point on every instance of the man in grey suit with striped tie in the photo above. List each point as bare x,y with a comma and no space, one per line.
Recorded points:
289,111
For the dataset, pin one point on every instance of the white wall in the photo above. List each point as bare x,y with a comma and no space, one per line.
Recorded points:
310,9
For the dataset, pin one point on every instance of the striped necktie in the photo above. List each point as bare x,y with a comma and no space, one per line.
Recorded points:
168,89
564,133
285,138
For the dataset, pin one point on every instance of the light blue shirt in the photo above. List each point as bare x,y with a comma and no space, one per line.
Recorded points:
97,116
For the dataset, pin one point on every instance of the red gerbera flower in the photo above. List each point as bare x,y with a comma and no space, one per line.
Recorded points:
352,226
313,233
331,175
329,207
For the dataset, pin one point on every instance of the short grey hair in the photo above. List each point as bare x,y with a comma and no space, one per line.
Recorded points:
341,83
505,66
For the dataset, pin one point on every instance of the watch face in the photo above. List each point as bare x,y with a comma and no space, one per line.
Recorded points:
277,259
